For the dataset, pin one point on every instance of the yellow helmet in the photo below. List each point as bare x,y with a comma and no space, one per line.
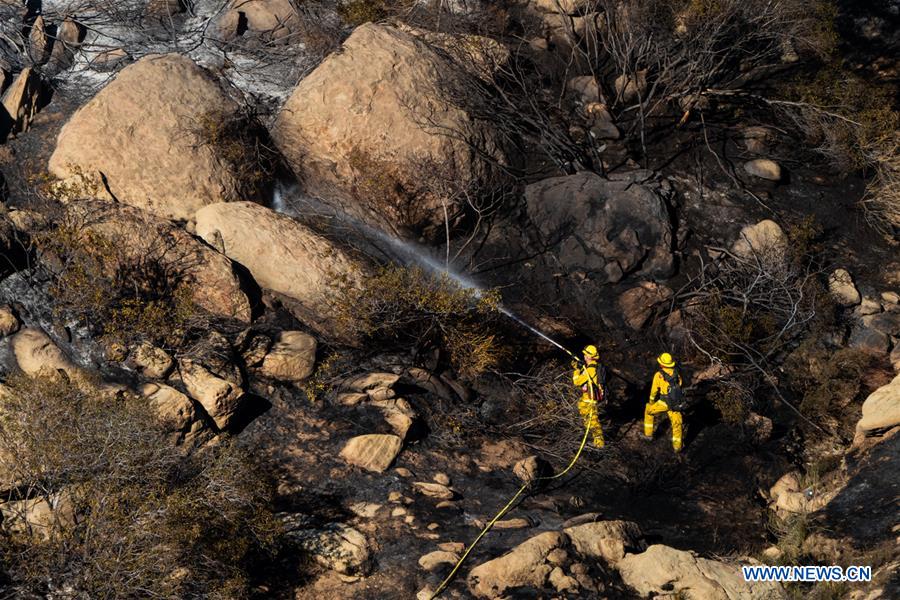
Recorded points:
590,351
665,360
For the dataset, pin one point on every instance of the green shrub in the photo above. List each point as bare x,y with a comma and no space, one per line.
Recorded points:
790,531
733,401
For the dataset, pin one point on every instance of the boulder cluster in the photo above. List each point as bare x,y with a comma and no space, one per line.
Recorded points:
171,172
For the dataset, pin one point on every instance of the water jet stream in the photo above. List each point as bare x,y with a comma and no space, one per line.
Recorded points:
409,251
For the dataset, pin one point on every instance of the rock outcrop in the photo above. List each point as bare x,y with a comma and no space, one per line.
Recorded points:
533,562
605,228
143,135
270,20
374,118
881,410
664,570
524,565
139,237
38,356
284,256
291,358
212,378
21,102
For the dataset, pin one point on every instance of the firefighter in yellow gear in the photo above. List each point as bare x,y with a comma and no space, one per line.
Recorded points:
664,382
588,376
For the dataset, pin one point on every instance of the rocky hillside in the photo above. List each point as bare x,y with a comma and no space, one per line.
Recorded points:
290,293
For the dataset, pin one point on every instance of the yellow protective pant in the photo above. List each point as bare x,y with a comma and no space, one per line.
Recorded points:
656,408
588,410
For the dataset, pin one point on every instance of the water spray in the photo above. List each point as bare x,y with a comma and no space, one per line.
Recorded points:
534,330
409,251
420,255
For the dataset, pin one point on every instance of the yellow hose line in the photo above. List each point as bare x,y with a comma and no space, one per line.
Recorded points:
509,505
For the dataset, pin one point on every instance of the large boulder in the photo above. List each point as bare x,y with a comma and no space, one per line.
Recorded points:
638,304
881,410
765,240
143,134
150,361
842,288
398,413
764,169
374,119
605,228
607,540
69,36
9,322
662,570
335,546
174,410
139,237
284,256
38,517
39,43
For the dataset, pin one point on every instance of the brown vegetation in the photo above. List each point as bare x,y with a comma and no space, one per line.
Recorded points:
746,312
410,307
242,144
119,294
127,515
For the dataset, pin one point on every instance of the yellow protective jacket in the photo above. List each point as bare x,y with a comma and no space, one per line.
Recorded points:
660,387
585,377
